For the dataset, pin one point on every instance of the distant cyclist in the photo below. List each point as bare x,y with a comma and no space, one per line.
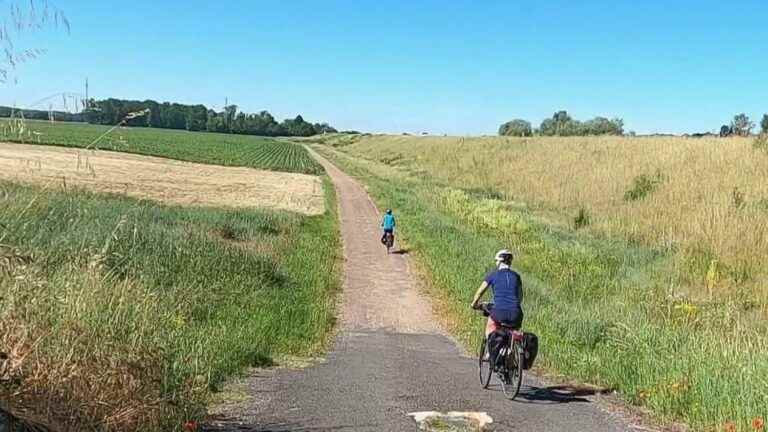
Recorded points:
388,225
507,288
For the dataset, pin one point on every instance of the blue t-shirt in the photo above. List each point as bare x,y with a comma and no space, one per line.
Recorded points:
507,289
389,222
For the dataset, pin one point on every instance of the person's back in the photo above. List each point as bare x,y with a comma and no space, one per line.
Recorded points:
388,223
507,288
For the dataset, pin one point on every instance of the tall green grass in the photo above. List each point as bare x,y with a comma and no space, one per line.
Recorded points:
602,308
117,314
214,148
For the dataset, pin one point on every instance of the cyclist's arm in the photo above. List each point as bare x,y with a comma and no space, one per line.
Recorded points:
479,293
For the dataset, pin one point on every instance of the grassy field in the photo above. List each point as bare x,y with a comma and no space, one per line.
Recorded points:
220,149
103,299
703,200
124,315
614,307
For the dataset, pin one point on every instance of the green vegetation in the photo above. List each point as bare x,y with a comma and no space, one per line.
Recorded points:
519,128
166,115
603,307
200,118
561,124
28,114
741,125
197,118
642,186
148,307
221,149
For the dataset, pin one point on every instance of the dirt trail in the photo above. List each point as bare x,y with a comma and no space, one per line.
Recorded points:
379,291
390,359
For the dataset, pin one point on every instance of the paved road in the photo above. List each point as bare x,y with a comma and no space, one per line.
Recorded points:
389,359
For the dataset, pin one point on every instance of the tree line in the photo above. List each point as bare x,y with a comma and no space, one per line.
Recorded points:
168,115
6,112
562,124
198,118
741,125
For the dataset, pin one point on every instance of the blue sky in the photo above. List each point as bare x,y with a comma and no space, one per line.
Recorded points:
456,67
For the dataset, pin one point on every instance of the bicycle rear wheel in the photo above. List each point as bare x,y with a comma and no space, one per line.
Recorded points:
485,368
513,374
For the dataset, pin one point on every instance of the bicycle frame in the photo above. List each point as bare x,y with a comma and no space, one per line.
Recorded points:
512,350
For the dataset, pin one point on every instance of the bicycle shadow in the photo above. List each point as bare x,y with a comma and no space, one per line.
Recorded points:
402,251
557,394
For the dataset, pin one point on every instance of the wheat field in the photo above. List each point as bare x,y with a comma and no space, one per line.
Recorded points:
704,199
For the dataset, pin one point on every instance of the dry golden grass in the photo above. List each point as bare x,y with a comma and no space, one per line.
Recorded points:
711,205
47,379
160,179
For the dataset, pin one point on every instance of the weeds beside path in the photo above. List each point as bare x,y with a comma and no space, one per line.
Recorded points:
117,314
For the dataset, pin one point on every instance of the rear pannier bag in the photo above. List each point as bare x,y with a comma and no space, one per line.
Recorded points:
530,349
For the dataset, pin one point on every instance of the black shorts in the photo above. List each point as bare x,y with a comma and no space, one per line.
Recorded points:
508,317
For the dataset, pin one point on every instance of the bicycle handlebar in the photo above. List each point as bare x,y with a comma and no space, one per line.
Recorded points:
484,307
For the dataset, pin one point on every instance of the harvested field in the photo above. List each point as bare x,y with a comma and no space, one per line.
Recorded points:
159,179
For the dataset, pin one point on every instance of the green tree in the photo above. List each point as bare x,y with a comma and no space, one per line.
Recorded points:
561,124
741,125
603,126
195,118
230,111
517,127
764,124
557,125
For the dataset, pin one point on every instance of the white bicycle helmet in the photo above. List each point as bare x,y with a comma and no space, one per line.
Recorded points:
503,256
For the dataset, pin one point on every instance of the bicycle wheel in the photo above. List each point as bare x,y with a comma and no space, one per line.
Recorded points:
484,364
513,373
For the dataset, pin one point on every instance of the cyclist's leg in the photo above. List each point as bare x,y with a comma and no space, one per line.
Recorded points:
490,326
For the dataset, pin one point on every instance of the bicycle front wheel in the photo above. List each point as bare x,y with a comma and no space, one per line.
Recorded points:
485,368
513,375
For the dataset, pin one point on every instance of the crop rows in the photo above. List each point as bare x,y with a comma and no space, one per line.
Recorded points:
214,148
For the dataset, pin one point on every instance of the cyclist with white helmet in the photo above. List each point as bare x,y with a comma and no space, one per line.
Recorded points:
507,288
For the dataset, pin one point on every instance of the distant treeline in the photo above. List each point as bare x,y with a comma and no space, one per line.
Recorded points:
41,115
561,124
741,125
168,115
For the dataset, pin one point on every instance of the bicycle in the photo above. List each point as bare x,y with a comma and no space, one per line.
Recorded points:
508,362
389,241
